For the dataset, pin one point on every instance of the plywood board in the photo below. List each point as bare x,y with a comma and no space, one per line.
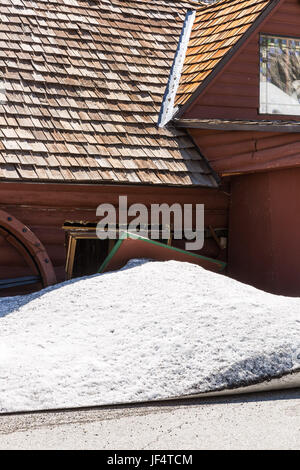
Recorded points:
131,246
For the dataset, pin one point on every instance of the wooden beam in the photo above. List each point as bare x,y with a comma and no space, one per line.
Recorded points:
261,126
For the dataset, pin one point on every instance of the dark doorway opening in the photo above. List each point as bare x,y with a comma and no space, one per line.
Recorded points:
85,251
89,255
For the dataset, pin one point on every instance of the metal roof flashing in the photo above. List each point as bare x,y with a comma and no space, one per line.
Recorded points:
167,110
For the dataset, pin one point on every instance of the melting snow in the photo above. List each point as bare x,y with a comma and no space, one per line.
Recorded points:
150,331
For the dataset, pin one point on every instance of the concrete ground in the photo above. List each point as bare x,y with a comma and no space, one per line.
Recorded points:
255,421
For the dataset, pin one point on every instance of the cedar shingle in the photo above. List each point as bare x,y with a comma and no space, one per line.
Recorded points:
84,84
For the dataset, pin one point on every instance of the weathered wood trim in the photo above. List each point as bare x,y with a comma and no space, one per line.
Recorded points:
237,125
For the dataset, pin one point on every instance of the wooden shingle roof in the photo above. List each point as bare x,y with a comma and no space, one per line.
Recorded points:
216,30
81,84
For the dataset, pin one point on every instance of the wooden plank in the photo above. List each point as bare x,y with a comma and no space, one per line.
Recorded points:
277,28
199,111
273,141
84,198
278,164
14,271
70,257
230,163
231,77
133,246
222,151
218,137
235,124
238,89
282,151
226,100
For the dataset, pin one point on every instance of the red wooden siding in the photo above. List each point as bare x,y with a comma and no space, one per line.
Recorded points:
231,152
15,262
45,208
12,262
234,93
264,231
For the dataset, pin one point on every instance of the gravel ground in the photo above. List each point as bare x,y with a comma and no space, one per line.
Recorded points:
257,421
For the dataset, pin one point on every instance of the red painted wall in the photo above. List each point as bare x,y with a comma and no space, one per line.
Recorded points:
46,207
264,228
231,152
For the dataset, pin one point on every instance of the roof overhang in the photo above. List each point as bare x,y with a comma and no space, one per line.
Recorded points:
235,125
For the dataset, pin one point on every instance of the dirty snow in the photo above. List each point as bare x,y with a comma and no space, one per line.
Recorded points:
153,330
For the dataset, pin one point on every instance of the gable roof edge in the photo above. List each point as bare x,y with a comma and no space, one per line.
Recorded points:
271,7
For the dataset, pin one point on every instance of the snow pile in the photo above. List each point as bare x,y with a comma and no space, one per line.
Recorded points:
150,331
